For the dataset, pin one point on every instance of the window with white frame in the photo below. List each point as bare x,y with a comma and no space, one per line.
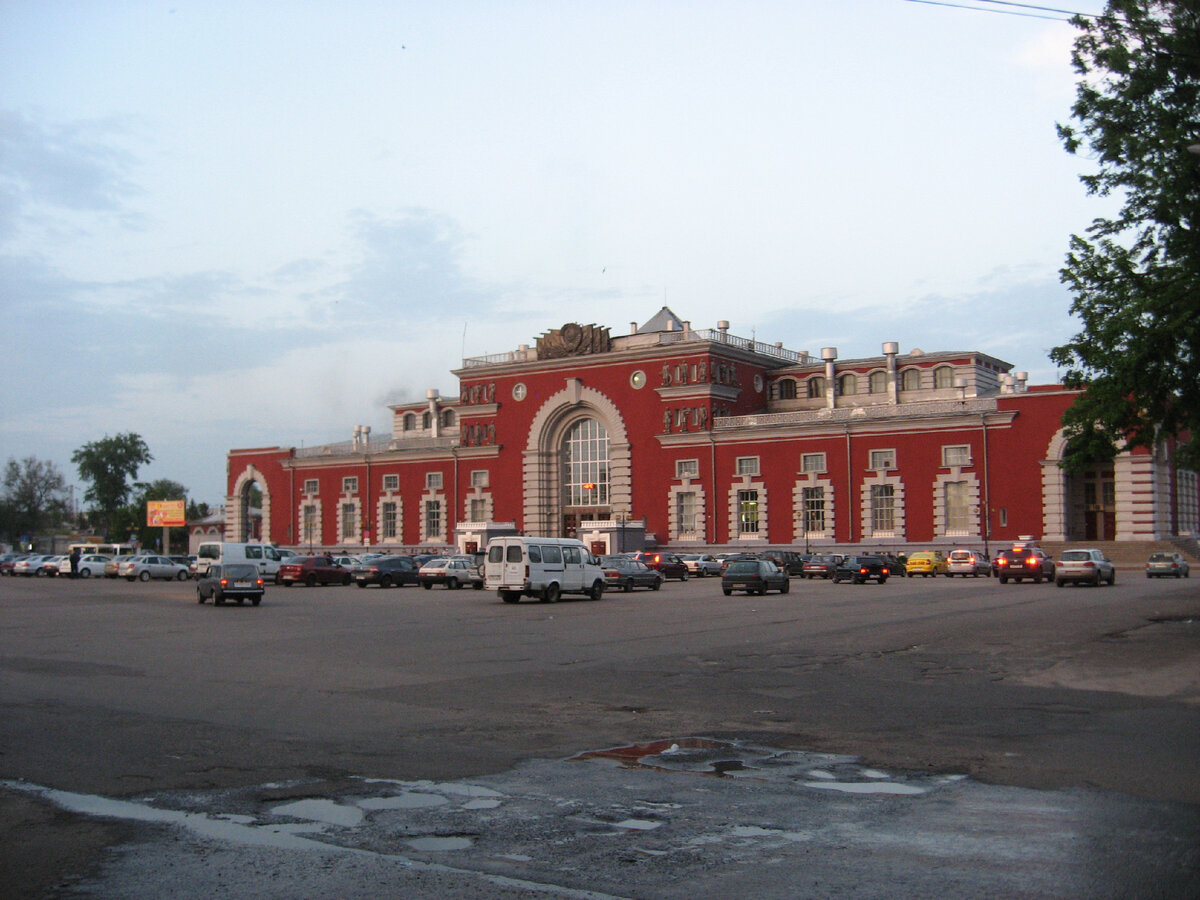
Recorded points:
687,468
747,465
910,380
958,507
812,462
883,508
847,385
877,383
391,482
816,387
433,481
349,521
685,512
747,511
350,485
308,527
479,479
478,509
956,455
943,377
311,486
814,509
883,459
433,519
388,521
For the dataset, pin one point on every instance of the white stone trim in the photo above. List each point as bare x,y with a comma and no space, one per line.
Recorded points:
439,538
398,499
237,516
810,480
735,520
940,519
688,486
357,539
867,532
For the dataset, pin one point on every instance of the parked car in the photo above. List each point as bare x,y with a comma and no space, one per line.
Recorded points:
926,563
52,565
1087,566
311,571
861,569
623,573
754,576
734,557
788,560
669,564
145,567
29,566
386,571
701,564
452,572
968,562
823,565
91,564
347,562
1161,565
236,581
9,560
1020,563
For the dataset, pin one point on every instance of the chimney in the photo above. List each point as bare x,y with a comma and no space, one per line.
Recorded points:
829,354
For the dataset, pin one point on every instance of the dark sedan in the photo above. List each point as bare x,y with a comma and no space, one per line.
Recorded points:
754,576
861,569
821,566
311,571
669,564
623,573
386,571
239,582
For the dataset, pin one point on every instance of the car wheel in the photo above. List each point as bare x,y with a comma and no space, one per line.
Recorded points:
199,595
597,590
346,579
144,576
452,584
550,593
1003,580
254,601
363,584
1059,582
657,584
510,596
85,573
627,587
218,599
311,580
683,577
787,586
428,585
1037,579
726,591
182,576
883,579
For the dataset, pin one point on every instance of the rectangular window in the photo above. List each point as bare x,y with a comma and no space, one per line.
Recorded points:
478,510
958,510
685,512
388,522
812,462
747,512
747,465
349,522
883,459
309,526
350,485
433,481
311,486
883,510
1004,517
687,468
433,519
956,455
814,510
479,479
391,482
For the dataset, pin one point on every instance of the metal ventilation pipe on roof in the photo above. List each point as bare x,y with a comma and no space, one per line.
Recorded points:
829,354
890,350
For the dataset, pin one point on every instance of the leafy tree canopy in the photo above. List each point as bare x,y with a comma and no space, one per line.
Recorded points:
1135,277
108,466
149,536
33,497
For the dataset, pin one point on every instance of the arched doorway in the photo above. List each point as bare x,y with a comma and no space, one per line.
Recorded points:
586,489
1079,505
248,509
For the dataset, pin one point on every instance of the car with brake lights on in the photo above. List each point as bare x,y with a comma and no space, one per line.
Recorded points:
669,564
386,571
1167,565
623,573
926,563
861,569
234,581
754,576
1023,562
452,572
311,571
1084,566
822,565
968,562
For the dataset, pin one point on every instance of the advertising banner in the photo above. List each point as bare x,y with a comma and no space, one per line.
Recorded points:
165,513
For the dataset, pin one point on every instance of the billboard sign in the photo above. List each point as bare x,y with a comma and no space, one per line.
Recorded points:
165,513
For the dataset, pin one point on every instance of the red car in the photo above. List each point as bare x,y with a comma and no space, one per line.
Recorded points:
669,564
312,570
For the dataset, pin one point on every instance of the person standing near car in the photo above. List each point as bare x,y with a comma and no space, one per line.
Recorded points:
74,558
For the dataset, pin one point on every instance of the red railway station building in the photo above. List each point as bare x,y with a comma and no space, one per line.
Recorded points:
688,438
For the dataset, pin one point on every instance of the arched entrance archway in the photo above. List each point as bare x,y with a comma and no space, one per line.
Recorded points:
239,522
1078,506
577,438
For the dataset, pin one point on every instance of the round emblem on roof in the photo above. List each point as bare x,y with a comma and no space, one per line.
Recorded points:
638,379
518,391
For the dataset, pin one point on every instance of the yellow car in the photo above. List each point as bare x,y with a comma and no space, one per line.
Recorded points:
926,563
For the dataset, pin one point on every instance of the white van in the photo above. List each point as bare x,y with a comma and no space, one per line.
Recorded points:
545,568
265,557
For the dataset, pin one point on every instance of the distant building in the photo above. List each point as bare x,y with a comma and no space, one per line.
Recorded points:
675,436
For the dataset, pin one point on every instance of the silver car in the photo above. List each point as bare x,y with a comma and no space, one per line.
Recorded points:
1166,565
143,568
1086,566
968,562
701,564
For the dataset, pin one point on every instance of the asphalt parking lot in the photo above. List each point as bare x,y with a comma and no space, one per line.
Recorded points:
927,735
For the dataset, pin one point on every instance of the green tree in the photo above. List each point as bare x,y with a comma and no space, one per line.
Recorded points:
1135,277
108,466
160,489
33,497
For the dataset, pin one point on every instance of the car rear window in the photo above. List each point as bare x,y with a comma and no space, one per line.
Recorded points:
1159,557
1076,556
742,567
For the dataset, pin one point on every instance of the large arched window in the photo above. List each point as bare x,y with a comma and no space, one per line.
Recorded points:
943,377
410,421
910,380
847,385
585,464
816,387
787,388
877,383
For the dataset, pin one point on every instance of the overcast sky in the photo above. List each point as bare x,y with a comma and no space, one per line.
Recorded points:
253,224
